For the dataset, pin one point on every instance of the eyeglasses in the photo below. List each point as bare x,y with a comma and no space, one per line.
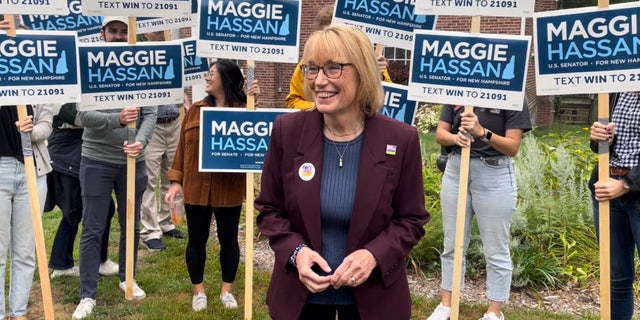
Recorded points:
332,70
209,74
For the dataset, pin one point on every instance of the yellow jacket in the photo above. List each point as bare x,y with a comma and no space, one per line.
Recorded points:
295,99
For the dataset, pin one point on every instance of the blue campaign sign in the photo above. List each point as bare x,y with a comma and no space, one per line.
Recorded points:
386,22
250,30
195,67
88,27
234,139
397,104
39,67
588,50
118,74
469,69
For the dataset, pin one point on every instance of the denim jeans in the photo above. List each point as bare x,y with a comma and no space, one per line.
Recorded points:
491,197
98,180
624,219
16,234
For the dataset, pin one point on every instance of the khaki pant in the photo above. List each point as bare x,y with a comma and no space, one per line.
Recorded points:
156,217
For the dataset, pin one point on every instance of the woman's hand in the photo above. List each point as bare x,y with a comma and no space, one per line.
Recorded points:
26,126
314,282
600,132
174,190
469,122
354,269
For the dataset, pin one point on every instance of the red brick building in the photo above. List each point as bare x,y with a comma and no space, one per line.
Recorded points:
274,77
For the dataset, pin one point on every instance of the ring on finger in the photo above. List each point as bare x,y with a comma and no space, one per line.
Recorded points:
353,280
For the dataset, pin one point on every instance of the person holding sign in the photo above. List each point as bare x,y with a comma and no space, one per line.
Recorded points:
342,195
296,98
103,171
16,229
621,191
210,193
494,137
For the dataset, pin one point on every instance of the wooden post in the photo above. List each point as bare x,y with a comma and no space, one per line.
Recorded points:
461,211
131,190
249,210
603,206
36,217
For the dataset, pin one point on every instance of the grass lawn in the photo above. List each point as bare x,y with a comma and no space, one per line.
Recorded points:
164,277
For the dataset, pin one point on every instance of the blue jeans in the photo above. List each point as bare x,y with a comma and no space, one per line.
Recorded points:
624,218
97,181
491,197
16,234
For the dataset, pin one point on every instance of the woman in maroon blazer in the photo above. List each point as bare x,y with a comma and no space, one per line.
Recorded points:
342,195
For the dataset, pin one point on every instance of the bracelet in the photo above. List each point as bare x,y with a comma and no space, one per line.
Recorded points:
294,255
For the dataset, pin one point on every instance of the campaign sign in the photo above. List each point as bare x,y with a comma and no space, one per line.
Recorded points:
137,8
494,8
388,22
250,30
234,139
145,25
115,75
469,69
39,67
88,27
55,7
397,104
195,67
588,50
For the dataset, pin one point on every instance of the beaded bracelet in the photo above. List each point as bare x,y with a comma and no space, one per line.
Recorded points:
294,255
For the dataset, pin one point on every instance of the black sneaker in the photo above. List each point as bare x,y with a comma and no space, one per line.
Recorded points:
174,233
155,245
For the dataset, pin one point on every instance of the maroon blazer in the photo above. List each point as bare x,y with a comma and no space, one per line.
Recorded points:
387,219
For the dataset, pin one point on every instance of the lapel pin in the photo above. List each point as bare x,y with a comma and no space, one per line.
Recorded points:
391,149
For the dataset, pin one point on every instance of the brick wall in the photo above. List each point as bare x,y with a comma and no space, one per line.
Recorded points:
274,77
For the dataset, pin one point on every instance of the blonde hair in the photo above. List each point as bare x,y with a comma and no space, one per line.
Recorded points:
341,42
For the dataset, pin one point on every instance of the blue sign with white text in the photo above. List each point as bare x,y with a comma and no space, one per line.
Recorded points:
388,14
88,27
469,69
234,139
38,59
252,22
397,104
588,50
118,74
250,30
114,67
467,61
387,22
195,67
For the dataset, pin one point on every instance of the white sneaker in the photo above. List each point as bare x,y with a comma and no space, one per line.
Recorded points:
492,316
108,268
440,313
199,302
84,308
71,272
138,293
228,301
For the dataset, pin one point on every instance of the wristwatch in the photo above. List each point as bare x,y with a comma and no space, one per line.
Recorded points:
487,135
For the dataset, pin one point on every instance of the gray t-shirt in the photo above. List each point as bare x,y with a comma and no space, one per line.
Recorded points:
496,120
